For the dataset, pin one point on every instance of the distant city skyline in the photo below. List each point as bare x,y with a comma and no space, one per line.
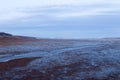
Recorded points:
61,18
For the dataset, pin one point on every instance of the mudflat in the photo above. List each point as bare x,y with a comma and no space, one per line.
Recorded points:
59,59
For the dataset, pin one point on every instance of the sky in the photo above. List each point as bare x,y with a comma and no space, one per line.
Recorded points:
61,18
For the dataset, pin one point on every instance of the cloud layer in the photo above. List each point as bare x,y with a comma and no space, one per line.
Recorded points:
82,16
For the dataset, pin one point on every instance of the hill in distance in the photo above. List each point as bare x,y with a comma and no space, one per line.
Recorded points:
3,34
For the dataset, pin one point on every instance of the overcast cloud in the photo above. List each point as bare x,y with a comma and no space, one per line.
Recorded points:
61,18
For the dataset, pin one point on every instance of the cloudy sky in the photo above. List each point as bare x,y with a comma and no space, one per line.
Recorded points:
61,18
